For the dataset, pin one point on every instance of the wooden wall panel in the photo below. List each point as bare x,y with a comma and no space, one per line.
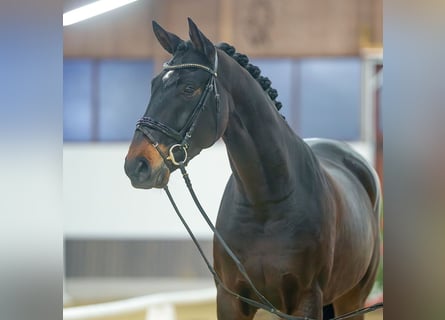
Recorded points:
256,27
122,33
297,28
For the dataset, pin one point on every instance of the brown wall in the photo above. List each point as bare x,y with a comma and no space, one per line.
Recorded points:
255,27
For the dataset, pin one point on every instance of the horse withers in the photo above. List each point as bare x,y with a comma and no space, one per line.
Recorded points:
302,216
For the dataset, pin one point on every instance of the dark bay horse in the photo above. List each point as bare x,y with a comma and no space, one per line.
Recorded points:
301,215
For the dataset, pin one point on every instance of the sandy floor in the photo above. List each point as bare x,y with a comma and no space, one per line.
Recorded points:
208,312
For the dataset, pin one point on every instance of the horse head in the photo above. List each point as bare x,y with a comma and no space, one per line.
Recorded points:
186,112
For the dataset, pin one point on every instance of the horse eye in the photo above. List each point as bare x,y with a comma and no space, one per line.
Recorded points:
189,89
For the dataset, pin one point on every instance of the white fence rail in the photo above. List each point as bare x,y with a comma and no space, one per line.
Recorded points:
159,306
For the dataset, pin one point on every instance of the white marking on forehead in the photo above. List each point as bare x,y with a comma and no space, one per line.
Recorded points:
167,75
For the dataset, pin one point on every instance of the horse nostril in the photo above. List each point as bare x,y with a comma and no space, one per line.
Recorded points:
137,169
142,170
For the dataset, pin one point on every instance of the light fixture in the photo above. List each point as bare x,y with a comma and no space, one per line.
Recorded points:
91,10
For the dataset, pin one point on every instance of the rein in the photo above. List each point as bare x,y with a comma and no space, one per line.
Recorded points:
182,137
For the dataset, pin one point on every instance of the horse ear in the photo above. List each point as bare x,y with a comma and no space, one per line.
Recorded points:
168,41
200,41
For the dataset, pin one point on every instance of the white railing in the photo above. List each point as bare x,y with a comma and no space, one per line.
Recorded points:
159,306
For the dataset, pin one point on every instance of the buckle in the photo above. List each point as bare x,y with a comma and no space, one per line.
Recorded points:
172,156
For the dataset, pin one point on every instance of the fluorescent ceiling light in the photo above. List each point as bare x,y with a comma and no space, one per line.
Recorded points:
92,10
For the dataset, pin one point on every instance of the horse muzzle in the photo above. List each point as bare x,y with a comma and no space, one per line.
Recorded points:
144,176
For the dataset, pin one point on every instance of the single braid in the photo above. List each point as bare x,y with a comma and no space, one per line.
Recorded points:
241,59
227,48
264,82
254,71
273,93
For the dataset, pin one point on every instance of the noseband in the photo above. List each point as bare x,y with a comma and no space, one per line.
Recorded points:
182,137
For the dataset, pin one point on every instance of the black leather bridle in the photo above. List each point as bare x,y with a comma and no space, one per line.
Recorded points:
182,137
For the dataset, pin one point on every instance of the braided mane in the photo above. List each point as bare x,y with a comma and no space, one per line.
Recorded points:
254,71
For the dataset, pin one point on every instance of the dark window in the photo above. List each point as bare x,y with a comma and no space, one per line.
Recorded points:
103,99
124,92
330,98
77,95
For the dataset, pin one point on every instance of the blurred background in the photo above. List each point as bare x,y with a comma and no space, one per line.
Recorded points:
323,57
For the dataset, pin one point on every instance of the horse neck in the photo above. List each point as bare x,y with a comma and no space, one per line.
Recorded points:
267,159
